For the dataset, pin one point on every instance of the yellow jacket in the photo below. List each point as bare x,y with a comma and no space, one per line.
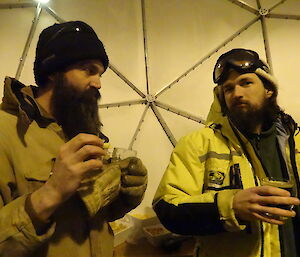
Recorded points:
29,143
195,194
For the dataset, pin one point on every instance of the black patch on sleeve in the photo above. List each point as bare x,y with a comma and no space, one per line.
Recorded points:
197,219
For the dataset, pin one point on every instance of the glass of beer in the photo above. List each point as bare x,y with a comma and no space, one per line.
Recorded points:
283,184
122,153
117,154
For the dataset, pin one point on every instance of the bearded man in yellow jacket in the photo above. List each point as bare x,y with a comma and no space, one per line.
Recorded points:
57,194
235,183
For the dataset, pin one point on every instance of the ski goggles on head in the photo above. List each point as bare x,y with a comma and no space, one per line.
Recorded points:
239,59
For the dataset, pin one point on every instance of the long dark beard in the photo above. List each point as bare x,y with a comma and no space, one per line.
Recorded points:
75,110
247,121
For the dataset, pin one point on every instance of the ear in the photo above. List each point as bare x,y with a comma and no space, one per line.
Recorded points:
269,93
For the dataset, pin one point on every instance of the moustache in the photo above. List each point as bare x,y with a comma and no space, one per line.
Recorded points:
91,93
239,101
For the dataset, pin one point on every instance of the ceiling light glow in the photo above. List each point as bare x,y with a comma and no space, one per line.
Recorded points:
42,1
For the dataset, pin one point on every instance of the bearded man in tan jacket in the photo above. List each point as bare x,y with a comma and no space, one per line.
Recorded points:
56,193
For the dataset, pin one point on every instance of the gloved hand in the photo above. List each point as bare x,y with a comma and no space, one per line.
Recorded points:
133,180
100,188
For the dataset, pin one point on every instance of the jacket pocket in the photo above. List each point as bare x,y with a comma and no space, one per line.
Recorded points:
36,176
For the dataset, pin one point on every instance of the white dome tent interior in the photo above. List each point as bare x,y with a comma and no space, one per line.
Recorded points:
158,86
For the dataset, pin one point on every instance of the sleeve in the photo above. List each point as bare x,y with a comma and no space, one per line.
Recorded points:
18,236
125,203
119,208
180,201
133,187
104,195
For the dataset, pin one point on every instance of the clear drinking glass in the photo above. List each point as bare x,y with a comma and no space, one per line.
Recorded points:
119,153
283,184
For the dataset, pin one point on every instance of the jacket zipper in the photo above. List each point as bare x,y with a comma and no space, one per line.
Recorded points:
255,179
256,183
260,223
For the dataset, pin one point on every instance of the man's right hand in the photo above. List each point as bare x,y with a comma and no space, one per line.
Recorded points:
76,158
259,203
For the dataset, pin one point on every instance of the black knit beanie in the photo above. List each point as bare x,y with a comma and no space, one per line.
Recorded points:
61,45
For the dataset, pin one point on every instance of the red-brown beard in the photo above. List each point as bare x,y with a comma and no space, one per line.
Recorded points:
248,118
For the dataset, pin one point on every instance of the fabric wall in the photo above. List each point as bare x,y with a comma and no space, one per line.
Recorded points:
178,34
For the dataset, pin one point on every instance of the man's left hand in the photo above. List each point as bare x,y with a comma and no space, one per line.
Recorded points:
133,180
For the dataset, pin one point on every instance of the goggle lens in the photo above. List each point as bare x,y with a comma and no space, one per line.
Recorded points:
239,59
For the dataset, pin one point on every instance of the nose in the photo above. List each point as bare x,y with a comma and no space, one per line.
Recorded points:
95,82
238,92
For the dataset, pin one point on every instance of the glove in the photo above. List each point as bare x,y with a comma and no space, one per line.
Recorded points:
133,180
101,188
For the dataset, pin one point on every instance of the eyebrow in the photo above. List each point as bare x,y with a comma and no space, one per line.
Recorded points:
227,84
230,82
99,67
96,65
245,79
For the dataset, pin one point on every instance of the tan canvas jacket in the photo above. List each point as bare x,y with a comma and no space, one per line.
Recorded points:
29,143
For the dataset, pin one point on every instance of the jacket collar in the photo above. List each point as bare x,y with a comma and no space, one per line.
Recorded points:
285,127
19,100
218,121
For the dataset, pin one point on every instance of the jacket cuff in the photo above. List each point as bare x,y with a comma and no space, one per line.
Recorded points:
28,232
40,226
227,215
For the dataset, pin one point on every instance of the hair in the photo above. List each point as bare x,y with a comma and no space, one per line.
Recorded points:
270,86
